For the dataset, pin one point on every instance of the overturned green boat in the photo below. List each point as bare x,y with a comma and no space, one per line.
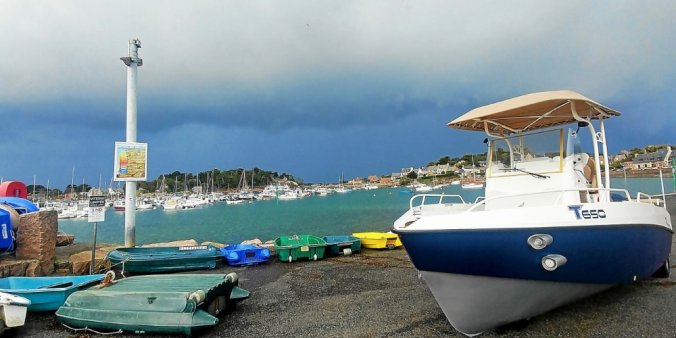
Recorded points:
164,259
175,304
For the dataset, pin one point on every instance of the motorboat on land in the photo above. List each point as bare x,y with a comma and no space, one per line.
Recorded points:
548,232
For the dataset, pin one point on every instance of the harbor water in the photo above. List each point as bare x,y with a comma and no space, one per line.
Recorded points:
334,214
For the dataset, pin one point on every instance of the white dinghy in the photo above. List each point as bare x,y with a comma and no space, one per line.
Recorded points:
13,311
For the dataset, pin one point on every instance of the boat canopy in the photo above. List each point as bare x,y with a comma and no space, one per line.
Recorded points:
532,111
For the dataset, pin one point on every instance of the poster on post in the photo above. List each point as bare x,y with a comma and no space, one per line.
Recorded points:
131,161
97,209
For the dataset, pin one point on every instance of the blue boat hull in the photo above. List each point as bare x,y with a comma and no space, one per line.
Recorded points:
244,254
46,293
611,254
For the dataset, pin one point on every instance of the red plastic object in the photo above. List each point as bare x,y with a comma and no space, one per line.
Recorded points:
13,189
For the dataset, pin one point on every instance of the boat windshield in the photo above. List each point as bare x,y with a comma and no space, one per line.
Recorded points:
536,153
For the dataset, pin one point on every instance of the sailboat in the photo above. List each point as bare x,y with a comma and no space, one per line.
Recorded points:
341,189
244,193
473,184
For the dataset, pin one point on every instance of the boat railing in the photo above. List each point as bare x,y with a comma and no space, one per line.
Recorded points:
425,197
645,198
607,191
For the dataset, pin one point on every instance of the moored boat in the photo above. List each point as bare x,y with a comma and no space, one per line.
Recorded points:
291,248
46,293
119,205
549,230
244,254
472,185
378,240
342,244
173,303
12,310
164,259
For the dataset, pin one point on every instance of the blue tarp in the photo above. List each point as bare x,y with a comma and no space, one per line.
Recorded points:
21,205
6,236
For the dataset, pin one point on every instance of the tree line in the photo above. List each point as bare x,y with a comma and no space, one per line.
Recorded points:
212,180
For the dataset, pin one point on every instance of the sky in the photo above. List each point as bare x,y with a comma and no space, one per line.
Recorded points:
314,88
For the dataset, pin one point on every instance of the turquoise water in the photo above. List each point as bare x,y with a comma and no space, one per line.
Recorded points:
335,214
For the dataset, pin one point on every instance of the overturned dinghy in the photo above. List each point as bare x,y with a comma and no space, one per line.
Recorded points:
176,304
164,259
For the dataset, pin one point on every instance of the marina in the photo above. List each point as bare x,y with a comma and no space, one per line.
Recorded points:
337,213
546,214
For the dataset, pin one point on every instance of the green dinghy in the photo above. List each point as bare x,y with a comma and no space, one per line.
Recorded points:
175,304
291,248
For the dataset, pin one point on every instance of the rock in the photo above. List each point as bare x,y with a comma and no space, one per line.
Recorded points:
63,239
188,242
214,244
36,238
254,241
63,267
34,269
81,261
12,267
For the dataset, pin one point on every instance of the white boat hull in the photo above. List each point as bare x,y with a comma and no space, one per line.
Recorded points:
473,304
14,309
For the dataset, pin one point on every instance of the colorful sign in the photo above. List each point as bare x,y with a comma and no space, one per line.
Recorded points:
130,161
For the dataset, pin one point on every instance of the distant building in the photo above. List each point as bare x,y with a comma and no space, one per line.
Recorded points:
396,176
623,155
655,160
373,179
355,182
386,181
421,172
471,171
439,169
406,171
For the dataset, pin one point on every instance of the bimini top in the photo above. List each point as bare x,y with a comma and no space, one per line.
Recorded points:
531,111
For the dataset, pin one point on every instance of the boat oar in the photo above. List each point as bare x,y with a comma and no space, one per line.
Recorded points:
57,285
